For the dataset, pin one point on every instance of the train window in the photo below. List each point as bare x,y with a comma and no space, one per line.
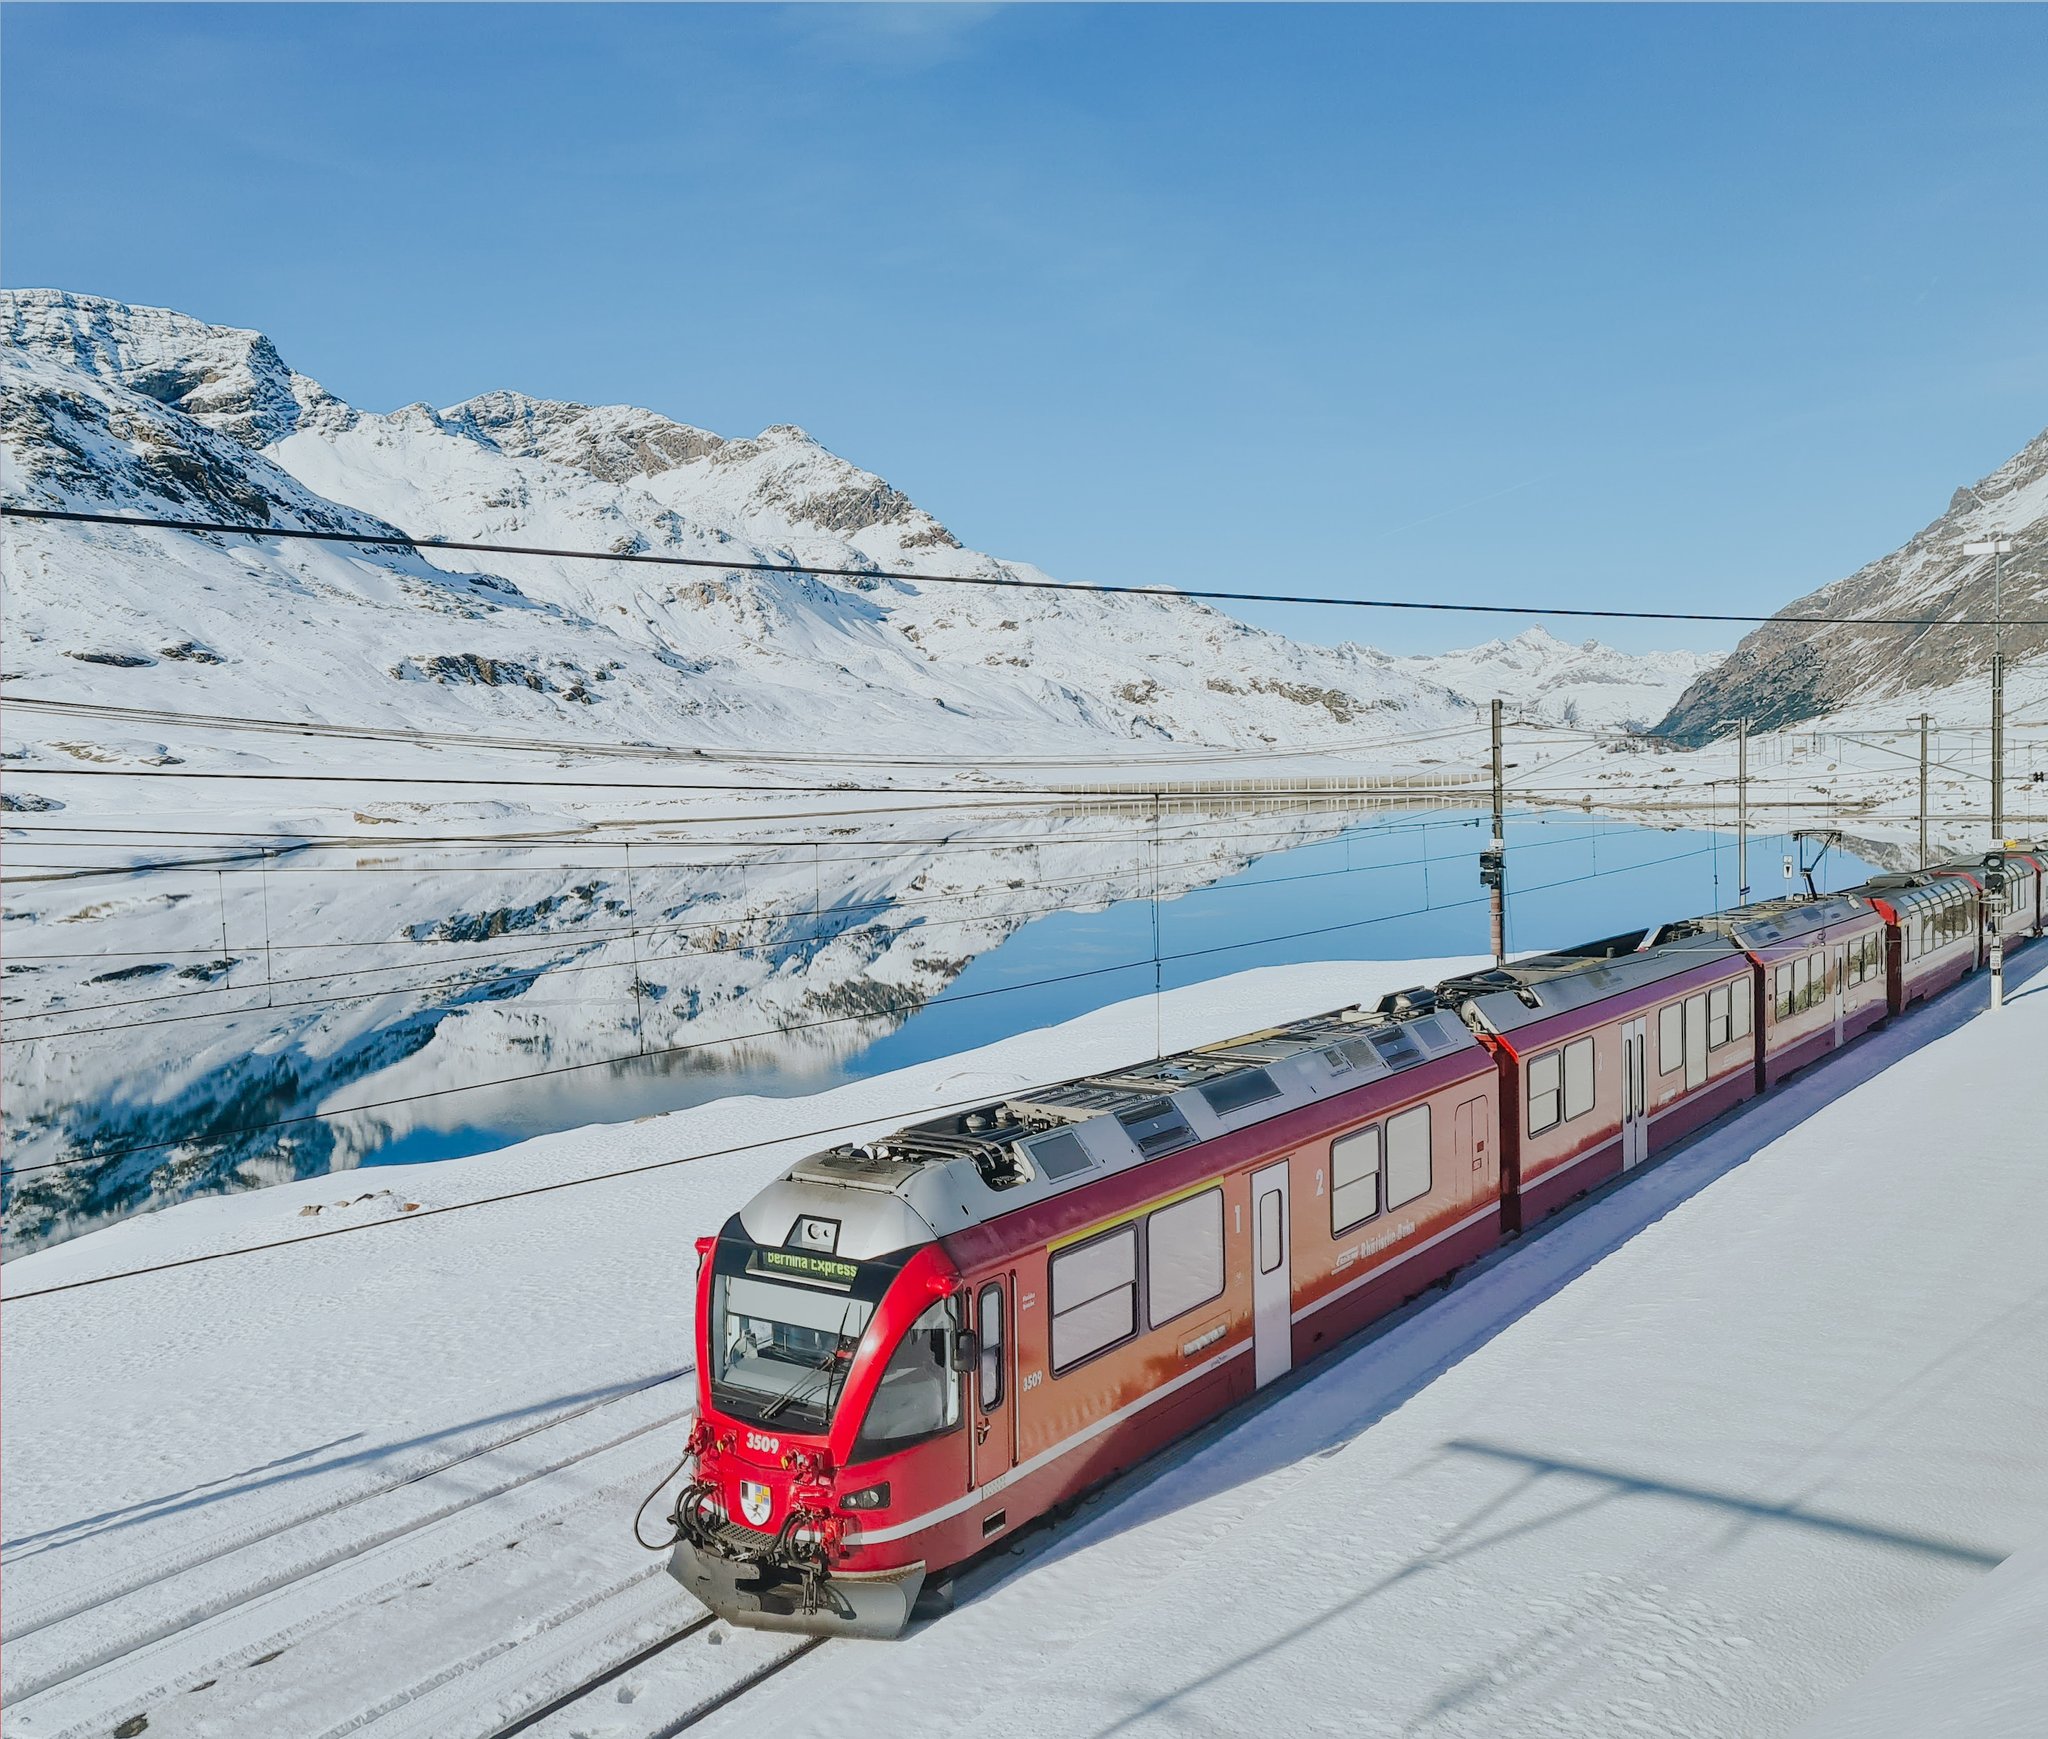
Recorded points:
988,1328
1546,1092
1354,1179
1059,1155
1578,1078
1094,1291
1183,1256
1407,1155
1816,979
1670,1038
1781,992
1739,993
1235,1092
1271,1245
1157,1127
919,1394
1802,983
779,1350
1719,999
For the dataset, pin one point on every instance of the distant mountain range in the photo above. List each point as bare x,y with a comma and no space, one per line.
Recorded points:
140,409
1788,672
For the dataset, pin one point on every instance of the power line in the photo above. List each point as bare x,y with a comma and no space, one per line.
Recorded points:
472,741
941,1000
744,1147
578,942
1008,579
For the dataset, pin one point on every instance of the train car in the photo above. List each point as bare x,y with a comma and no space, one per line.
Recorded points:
1821,965
1610,1052
2020,916
1934,936
910,1348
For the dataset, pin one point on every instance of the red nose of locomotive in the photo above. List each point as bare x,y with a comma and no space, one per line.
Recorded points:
760,1480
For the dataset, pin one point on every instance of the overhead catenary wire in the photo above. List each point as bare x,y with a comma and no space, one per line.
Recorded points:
472,742
1006,579
881,1118
331,1113
572,943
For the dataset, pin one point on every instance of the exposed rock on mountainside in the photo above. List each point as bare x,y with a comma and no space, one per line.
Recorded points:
1787,672
147,410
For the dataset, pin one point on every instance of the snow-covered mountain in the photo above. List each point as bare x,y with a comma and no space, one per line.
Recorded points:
1787,672
1550,679
145,410
140,409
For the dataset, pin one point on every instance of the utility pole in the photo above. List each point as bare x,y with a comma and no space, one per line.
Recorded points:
1997,547
1994,915
1742,813
1493,862
1923,791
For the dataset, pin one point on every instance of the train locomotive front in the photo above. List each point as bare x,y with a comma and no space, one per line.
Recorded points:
830,1358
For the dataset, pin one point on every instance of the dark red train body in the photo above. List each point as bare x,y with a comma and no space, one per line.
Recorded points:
910,1349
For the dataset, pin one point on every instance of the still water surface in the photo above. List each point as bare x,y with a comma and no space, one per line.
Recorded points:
1408,889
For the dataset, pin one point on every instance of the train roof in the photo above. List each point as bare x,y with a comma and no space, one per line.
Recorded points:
1545,985
1982,860
1915,888
950,1172
1784,918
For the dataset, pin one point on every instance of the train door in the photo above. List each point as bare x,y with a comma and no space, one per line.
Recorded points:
995,1443
1473,1129
1695,1041
1841,1000
1272,1282
1635,1080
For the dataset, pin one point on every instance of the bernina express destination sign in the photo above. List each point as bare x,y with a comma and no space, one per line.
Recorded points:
801,1265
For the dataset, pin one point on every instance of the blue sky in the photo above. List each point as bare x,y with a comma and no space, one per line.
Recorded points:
1600,305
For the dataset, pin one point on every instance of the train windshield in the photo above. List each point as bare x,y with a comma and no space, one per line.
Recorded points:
780,1352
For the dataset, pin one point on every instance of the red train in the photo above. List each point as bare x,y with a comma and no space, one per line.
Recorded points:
909,1349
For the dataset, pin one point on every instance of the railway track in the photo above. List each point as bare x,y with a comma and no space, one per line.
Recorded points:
217,1594
76,1607
670,1722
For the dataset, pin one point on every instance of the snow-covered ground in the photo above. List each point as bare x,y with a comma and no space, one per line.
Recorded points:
1690,1462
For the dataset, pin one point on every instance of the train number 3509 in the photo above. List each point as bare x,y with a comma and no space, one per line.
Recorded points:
764,1443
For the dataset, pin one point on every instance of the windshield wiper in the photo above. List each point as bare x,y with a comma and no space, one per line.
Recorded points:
804,1376
839,1353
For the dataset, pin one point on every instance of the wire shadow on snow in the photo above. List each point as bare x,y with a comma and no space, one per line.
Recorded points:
226,1479
284,1470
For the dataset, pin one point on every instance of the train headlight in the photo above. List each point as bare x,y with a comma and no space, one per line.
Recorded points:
871,1497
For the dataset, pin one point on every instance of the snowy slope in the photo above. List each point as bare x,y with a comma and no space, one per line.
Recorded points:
1690,1463
1550,679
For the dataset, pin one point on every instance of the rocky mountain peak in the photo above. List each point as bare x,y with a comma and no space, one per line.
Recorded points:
225,378
1784,673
